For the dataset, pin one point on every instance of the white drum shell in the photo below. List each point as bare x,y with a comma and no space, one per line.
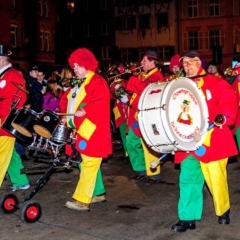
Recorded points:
159,109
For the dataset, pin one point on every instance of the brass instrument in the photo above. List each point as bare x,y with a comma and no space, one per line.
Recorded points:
228,72
129,71
69,82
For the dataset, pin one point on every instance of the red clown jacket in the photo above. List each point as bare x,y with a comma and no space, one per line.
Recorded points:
221,99
10,93
93,130
136,86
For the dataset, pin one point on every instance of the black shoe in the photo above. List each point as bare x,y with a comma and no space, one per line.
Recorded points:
182,226
224,219
139,177
151,181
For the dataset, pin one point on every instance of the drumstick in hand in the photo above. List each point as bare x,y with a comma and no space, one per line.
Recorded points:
197,136
154,164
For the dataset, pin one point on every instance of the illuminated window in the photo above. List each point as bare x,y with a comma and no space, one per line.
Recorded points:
43,8
70,7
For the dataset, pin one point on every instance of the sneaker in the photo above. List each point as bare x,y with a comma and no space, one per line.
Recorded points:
98,199
77,206
22,187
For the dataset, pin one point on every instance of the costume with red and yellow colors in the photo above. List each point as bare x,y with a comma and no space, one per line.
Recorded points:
7,140
210,160
93,139
140,156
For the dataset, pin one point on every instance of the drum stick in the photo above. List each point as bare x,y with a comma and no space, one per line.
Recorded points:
65,114
197,136
154,164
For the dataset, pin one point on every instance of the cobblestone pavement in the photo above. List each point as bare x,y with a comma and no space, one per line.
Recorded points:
132,211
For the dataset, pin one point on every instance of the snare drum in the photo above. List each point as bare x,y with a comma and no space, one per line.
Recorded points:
169,114
7,125
60,134
24,120
46,124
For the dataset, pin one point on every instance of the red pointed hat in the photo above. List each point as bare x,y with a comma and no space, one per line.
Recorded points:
175,62
84,58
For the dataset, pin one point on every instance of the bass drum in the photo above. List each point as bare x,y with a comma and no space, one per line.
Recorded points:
170,113
7,125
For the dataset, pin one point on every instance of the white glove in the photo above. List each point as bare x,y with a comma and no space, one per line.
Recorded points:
124,99
117,86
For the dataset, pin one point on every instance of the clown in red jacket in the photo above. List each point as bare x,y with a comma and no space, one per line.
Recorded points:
89,103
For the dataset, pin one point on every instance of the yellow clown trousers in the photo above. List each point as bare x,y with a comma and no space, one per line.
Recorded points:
88,175
6,149
149,156
215,174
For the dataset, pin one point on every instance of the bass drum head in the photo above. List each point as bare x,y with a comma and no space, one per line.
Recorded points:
185,113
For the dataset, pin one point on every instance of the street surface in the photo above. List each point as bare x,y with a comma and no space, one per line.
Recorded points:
132,211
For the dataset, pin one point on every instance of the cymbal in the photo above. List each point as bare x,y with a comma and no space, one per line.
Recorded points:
20,87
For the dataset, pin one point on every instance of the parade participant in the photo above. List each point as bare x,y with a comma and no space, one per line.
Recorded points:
89,101
139,154
175,67
120,98
212,69
10,160
236,86
210,163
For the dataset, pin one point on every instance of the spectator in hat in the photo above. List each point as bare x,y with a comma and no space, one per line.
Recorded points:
209,162
139,154
93,139
10,160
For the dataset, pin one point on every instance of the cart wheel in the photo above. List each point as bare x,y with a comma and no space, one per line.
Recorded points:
8,203
30,212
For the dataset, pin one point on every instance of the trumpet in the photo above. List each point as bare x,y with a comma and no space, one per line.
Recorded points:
134,71
67,82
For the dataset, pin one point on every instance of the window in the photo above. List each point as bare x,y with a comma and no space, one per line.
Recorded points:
165,52
85,5
12,3
237,36
87,30
216,38
105,5
127,55
214,8
106,28
44,40
70,7
144,21
125,23
193,41
70,31
236,7
192,8
121,3
43,8
162,20
14,31
106,53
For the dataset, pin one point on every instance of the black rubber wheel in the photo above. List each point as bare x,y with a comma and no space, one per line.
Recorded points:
8,203
30,212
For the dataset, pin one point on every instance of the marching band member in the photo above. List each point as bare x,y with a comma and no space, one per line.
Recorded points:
175,67
236,86
210,162
139,154
121,98
10,160
90,104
